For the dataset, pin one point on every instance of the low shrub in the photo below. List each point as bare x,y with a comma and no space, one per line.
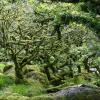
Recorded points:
5,81
33,89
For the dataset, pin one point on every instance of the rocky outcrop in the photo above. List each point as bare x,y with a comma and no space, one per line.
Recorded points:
82,92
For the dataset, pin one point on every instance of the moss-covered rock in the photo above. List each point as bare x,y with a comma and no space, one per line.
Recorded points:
37,76
9,70
7,67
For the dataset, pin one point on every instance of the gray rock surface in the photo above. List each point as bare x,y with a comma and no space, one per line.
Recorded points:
82,92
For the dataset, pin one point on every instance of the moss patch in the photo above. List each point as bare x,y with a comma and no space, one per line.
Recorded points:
5,81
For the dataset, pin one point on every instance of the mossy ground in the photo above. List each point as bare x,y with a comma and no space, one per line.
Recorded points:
34,90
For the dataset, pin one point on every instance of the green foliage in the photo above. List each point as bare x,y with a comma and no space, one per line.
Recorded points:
43,97
29,34
13,96
2,67
5,81
28,90
21,89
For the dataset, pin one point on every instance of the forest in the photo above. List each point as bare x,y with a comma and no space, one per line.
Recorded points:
49,49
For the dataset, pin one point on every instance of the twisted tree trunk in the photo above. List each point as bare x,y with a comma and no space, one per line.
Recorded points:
18,70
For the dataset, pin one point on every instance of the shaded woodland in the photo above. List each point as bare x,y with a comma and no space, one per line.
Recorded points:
48,48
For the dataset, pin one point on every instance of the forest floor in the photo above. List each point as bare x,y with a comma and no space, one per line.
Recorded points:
33,89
